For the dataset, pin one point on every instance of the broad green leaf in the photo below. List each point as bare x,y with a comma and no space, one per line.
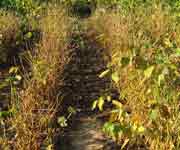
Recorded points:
101,103
115,77
148,72
104,73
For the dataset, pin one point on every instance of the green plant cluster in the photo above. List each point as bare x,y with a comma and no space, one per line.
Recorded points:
23,7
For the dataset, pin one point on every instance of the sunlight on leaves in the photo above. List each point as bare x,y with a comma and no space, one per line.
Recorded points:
115,77
101,103
117,103
148,72
124,143
94,105
104,73
62,121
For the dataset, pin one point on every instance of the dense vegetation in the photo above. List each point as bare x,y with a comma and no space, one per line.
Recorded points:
141,47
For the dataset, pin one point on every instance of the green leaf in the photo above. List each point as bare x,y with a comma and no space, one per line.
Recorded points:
115,77
104,73
101,103
148,72
29,35
153,114
62,121
125,61
113,129
177,53
4,114
108,128
71,110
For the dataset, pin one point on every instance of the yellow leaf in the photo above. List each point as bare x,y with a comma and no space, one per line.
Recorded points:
167,42
115,77
117,103
13,70
152,102
94,104
50,147
141,129
18,77
101,103
108,98
104,73
125,143
148,72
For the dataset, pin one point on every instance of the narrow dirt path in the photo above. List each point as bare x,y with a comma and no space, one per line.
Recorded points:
82,87
86,134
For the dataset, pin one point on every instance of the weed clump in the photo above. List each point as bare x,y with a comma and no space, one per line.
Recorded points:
35,106
144,47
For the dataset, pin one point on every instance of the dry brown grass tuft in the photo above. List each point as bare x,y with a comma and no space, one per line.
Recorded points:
39,101
9,31
9,25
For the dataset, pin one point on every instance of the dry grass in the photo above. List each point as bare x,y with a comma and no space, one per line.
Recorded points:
38,103
139,35
9,25
9,31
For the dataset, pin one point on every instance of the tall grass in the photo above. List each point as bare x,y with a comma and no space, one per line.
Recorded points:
143,45
9,32
35,107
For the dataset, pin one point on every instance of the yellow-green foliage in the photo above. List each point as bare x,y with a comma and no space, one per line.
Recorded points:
144,46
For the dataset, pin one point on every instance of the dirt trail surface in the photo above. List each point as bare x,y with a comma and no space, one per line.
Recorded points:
82,87
86,134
